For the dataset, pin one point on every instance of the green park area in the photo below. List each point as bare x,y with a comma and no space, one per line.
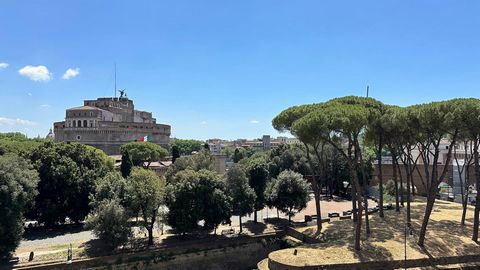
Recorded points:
340,159
386,242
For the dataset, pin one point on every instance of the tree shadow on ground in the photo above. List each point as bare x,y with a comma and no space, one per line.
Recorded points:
255,228
95,248
40,233
370,252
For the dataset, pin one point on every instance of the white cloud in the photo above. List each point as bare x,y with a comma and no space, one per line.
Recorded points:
254,121
4,121
3,65
45,106
70,73
36,73
29,94
203,123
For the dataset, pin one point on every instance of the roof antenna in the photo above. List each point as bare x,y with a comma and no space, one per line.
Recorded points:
367,90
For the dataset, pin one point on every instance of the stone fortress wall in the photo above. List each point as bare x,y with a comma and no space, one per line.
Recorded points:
108,123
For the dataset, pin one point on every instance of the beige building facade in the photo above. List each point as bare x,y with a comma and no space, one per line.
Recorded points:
108,123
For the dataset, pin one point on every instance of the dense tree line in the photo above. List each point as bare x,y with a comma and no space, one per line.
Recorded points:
348,122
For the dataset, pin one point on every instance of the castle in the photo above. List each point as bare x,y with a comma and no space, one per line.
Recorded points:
107,123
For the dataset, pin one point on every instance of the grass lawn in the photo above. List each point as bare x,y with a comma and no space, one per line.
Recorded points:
445,237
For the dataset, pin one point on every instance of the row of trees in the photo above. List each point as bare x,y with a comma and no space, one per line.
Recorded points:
348,124
191,198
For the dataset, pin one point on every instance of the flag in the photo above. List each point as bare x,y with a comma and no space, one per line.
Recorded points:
143,139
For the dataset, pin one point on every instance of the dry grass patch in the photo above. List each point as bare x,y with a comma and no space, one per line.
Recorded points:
445,237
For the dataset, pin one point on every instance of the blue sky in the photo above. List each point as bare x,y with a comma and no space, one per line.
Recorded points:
226,68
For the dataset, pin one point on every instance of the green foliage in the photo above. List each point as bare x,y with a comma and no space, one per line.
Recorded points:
243,196
17,143
257,172
195,196
68,172
175,153
144,152
145,191
186,147
18,181
289,193
238,155
109,222
286,157
202,160
127,164
110,187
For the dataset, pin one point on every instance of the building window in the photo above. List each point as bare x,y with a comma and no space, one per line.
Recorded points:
79,123
91,123
78,137
85,124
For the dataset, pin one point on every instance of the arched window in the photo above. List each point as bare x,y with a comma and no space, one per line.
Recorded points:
85,124
79,123
74,123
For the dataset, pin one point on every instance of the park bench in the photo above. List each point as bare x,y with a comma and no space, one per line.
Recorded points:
333,214
227,231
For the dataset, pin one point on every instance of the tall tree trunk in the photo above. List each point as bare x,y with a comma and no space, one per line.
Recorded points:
317,209
409,178
358,224
477,183
465,197
402,193
363,187
240,221
433,184
354,202
426,218
316,189
365,203
255,216
150,235
380,179
395,181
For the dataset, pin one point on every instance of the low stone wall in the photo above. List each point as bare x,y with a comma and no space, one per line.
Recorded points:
230,253
380,265
300,236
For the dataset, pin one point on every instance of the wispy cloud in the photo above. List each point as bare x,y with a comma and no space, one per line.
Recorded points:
36,73
45,106
3,65
4,121
203,123
254,121
71,73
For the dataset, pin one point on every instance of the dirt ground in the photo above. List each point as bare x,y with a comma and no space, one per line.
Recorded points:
445,237
326,206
